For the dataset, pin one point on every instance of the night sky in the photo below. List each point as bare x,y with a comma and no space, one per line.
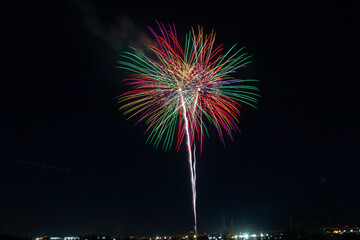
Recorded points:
70,161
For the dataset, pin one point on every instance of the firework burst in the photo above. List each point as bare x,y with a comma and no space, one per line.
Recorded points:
184,89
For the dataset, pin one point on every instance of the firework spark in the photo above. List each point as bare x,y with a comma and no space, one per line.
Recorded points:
184,89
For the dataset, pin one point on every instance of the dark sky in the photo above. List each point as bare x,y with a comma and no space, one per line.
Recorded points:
296,158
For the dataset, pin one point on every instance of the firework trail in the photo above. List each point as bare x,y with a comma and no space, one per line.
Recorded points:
37,164
183,89
192,162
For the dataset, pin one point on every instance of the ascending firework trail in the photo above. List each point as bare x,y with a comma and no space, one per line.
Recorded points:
185,89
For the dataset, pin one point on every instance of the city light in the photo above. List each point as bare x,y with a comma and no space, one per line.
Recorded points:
253,235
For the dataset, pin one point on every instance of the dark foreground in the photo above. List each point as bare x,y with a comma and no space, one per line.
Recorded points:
310,231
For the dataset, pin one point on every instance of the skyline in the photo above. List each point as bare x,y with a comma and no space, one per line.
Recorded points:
336,232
